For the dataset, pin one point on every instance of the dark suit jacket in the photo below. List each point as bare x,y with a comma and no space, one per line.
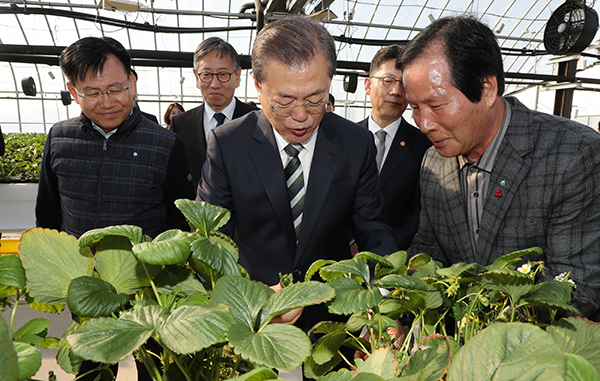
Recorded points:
399,182
547,172
190,128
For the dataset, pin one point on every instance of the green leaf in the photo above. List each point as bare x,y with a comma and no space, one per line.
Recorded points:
342,375
351,297
552,291
356,266
513,283
579,368
426,271
196,300
430,361
118,266
418,261
316,266
244,297
401,281
174,276
35,326
132,233
150,316
202,216
316,371
258,374
51,261
398,261
326,327
169,248
295,296
214,252
8,356
513,258
52,308
108,340
381,362
29,360
208,325
93,297
461,270
278,346
327,346
578,336
513,351
11,271
372,257
359,320
65,357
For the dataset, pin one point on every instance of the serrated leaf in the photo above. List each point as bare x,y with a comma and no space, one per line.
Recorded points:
342,375
381,362
49,343
313,370
401,281
295,296
579,369
34,340
426,271
214,252
356,266
8,356
107,340
244,297
117,265
52,308
174,276
517,351
461,269
278,346
65,357
418,261
196,300
372,257
150,316
325,327
552,291
51,261
12,272
398,261
359,320
258,374
209,327
132,233
32,327
430,361
351,297
578,336
513,283
513,258
93,297
29,360
203,216
316,266
169,248
327,346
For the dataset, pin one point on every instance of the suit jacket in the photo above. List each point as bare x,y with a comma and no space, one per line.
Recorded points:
399,181
190,128
544,191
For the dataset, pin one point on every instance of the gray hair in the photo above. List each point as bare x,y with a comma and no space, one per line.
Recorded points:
293,41
219,45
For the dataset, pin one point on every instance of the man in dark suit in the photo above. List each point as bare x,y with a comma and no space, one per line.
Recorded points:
217,71
294,155
501,177
400,146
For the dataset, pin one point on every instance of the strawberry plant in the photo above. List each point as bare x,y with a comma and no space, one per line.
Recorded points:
23,157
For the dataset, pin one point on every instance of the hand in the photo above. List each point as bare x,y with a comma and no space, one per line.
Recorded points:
289,317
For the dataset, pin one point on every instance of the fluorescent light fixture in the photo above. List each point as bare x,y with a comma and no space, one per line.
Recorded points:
563,86
431,18
500,28
51,75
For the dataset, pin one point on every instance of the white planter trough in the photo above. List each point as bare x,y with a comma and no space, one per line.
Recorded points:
17,206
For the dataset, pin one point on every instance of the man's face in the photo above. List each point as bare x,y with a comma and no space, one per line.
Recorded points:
388,103
216,94
455,125
284,85
107,111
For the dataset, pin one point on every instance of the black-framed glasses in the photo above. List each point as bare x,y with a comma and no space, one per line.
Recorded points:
287,109
388,80
114,91
222,76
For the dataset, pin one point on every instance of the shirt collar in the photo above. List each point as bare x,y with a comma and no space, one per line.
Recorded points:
391,128
309,145
111,132
227,111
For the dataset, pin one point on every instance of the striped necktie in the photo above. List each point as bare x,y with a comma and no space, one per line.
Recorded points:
295,184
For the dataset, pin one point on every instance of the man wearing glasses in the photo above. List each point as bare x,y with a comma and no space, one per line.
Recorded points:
400,146
217,72
296,179
109,165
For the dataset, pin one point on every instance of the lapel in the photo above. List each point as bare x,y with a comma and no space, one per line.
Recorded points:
323,167
401,145
267,163
510,169
198,133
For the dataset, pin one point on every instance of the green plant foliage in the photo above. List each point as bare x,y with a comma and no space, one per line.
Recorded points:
244,298
93,297
513,351
11,271
203,217
65,357
430,361
510,282
357,267
327,346
216,252
513,259
33,328
29,360
51,261
579,368
578,336
132,233
351,297
401,281
175,277
23,157
259,374
169,248
382,362
8,356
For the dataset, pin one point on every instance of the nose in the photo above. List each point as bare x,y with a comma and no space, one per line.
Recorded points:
300,114
214,82
397,88
106,100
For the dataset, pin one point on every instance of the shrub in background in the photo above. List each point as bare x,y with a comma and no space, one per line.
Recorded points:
23,158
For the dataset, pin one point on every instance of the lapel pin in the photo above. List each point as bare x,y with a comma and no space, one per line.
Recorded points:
403,143
498,193
502,183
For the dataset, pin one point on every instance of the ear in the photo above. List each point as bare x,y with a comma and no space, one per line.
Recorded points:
238,77
368,86
133,85
198,83
490,90
257,86
73,92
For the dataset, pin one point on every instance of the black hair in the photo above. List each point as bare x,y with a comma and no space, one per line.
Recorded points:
383,55
216,44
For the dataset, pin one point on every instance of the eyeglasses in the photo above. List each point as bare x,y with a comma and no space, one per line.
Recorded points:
388,81
114,92
287,109
222,76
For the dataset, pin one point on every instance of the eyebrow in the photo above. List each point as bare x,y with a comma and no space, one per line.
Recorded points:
96,87
314,93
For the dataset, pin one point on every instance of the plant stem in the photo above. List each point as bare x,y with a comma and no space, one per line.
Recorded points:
185,372
13,313
152,284
149,364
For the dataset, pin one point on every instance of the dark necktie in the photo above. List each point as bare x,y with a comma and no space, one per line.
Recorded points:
220,118
380,143
295,184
